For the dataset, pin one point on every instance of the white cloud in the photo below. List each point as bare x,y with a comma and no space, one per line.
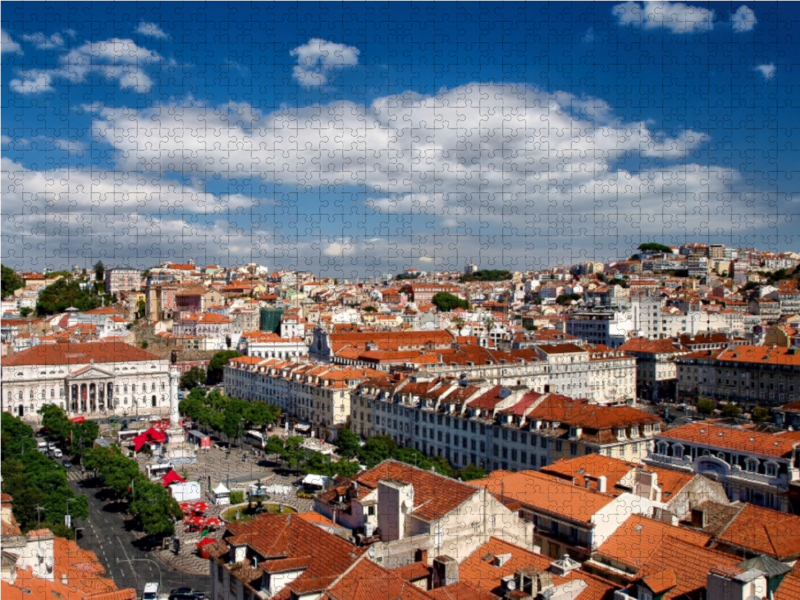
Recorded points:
32,82
7,44
317,59
767,71
120,60
744,19
42,42
676,17
151,29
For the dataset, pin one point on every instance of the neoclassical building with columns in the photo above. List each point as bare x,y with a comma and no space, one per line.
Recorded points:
92,379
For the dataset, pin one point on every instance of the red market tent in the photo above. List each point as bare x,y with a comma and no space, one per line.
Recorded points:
200,507
172,477
151,435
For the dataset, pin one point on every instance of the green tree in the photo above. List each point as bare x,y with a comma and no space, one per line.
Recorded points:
705,406
731,411
564,299
471,472
293,452
653,247
274,446
487,275
259,413
217,364
144,344
154,507
141,307
99,270
446,302
760,414
62,294
25,311
376,450
83,437
347,443
9,281
193,378
56,422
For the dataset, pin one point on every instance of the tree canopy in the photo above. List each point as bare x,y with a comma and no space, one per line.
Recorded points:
35,480
10,281
564,299
487,275
445,302
194,377
217,364
654,247
62,294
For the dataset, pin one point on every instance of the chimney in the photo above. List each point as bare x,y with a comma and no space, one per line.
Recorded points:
601,484
421,555
445,571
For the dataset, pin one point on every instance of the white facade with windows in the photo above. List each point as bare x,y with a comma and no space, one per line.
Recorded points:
91,379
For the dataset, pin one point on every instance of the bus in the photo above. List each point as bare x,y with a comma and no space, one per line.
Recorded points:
256,439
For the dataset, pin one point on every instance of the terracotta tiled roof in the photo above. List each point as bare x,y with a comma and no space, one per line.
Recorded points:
483,573
461,591
546,493
709,435
593,465
581,413
283,538
413,571
789,588
638,537
370,581
688,563
434,495
764,531
77,354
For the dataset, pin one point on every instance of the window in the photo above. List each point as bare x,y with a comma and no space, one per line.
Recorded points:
232,586
751,465
219,573
559,445
772,469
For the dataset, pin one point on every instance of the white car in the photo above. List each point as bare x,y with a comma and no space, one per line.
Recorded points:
150,591
57,453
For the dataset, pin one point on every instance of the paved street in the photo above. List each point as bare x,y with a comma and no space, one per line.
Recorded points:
126,561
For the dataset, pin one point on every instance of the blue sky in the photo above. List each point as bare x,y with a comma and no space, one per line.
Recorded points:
357,139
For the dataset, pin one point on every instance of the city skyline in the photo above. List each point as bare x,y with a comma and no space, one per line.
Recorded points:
379,145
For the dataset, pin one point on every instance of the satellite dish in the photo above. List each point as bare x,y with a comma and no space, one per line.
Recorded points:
511,585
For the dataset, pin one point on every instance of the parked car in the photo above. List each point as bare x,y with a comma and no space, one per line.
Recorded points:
67,463
114,419
57,453
51,447
186,593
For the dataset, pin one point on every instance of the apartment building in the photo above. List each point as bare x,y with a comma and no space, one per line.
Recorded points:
567,519
317,394
265,344
656,371
400,510
118,279
766,375
753,466
498,427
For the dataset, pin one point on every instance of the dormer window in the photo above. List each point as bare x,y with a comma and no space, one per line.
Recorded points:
751,465
772,469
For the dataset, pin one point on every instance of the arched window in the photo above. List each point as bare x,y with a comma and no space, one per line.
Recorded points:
751,465
772,469
661,448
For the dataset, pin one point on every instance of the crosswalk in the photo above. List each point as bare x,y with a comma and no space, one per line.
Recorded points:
75,475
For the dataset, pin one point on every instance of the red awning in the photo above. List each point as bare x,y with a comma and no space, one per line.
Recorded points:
139,441
205,542
155,435
172,477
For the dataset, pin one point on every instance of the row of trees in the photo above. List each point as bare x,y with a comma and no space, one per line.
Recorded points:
383,447
487,275
353,454
149,502
706,407
38,485
226,415
445,302
77,437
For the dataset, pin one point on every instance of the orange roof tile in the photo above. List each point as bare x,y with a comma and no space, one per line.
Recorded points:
370,581
638,537
707,434
546,493
764,531
486,576
81,353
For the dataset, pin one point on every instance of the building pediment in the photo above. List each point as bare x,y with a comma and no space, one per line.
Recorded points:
89,372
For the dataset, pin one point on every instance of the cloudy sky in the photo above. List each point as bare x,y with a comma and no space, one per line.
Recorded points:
364,139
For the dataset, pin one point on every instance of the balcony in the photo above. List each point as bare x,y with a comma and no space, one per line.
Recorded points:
684,463
736,473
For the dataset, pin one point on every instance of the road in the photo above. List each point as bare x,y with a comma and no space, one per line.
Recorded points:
127,564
